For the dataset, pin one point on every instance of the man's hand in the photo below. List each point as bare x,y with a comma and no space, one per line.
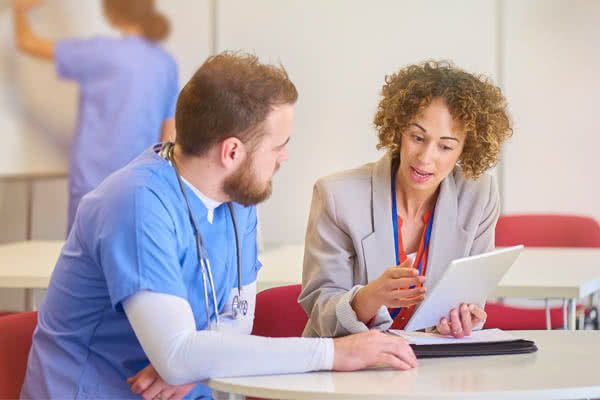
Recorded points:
370,349
461,323
148,384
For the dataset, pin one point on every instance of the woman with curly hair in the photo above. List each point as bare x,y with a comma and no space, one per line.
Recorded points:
377,232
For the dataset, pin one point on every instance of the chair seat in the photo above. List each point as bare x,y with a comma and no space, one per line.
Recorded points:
278,313
506,317
15,341
4,313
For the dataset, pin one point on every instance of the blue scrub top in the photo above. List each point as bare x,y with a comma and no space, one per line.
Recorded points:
127,88
132,233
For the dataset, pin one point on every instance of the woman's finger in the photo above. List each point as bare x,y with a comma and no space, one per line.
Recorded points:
402,272
405,301
443,327
465,319
457,329
478,313
405,283
402,294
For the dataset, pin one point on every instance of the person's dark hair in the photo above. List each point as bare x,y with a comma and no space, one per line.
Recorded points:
230,95
473,101
155,26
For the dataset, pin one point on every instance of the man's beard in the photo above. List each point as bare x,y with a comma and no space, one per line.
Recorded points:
242,187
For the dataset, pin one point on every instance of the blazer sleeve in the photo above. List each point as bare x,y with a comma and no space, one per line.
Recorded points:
327,277
485,233
484,239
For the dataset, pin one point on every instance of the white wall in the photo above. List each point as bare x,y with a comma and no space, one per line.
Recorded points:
337,53
552,77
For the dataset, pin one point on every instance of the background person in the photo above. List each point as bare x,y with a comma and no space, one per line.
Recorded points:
127,88
426,202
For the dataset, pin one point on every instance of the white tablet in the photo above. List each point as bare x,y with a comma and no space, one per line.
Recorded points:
466,280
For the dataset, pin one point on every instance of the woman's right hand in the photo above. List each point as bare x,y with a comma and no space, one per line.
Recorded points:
391,289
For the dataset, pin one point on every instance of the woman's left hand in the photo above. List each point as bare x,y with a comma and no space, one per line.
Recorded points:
461,321
148,384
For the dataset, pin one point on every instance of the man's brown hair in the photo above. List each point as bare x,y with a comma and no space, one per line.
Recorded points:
229,96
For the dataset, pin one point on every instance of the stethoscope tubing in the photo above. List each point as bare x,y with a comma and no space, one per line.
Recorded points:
205,266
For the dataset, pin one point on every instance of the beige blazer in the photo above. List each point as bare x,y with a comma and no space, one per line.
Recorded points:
350,239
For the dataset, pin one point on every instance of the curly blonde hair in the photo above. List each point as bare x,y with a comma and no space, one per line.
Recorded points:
473,101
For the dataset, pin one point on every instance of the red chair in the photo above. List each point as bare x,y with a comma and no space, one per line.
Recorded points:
3,313
278,313
16,331
547,231
539,230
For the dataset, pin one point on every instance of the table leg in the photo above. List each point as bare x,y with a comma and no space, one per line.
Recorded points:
565,315
29,211
572,316
548,319
29,300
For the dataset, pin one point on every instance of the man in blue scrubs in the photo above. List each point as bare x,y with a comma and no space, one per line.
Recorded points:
129,297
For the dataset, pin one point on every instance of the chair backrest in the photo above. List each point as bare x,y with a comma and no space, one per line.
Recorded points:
278,313
16,331
547,230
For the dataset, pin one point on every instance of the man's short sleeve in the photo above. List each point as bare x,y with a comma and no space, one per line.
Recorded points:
249,249
138,250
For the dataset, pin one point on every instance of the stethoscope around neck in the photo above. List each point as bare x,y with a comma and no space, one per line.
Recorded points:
239,306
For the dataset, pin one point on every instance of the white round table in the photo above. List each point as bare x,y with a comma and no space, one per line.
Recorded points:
564,367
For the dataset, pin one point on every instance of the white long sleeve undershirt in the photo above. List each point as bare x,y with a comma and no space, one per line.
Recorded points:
164,324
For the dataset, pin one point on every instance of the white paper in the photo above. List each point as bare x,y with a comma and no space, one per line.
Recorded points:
482,336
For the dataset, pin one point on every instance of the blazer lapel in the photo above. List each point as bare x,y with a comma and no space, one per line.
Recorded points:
448,238
378,247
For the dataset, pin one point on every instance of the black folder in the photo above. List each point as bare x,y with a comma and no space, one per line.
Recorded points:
519,346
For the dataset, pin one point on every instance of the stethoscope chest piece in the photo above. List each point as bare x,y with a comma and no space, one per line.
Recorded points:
239,308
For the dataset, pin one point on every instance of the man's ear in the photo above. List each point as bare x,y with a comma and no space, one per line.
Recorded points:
232,152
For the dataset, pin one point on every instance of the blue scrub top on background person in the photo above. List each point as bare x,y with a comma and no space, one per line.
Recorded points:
131,233
128,88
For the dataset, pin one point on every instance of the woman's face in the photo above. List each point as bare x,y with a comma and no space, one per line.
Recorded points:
431,146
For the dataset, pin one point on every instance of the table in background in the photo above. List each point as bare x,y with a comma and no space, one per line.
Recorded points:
538,273
28,265
29,178
282,265
544,272
564,367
